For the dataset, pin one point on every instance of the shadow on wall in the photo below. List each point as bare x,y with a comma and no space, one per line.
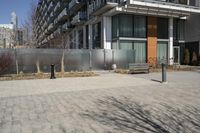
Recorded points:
124,115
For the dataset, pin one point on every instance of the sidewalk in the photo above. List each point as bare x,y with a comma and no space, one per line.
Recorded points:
60,106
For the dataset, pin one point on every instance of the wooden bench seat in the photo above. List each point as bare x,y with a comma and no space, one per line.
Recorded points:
138,68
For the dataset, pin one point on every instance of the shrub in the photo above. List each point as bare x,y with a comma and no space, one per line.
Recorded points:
186,57
198,60
5,62
194,59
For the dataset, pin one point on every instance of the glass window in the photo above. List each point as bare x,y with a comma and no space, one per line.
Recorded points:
87,38
115,45
140,51
126,45
162,29
115,26
175,29
80,37
140,26
193,3
126,26
138,46
183,2
162,50
181,29
97,36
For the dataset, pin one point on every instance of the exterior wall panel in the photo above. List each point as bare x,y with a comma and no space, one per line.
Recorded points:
151,40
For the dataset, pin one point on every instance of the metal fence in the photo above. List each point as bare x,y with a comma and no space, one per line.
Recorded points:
34,60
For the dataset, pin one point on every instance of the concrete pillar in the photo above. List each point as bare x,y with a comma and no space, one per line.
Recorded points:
188,2
170,46
107,32
90,36
84,37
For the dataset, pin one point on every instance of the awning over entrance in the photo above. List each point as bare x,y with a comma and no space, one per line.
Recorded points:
155,8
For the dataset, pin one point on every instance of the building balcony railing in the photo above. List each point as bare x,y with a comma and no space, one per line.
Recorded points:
79,18
76,4
57,6
98,7
50,27
67,27
63,15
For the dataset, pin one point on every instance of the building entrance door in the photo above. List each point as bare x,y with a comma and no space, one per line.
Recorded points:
176,55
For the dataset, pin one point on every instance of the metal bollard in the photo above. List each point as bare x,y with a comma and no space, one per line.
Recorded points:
52,71
164,73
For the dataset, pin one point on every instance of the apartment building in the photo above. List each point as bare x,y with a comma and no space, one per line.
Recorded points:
6,36
21,36
155,29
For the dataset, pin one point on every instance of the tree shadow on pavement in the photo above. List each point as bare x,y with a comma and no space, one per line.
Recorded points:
124,115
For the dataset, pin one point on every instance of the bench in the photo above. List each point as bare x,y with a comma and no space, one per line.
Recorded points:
138,68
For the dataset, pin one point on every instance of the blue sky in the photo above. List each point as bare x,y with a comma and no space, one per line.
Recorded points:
21,7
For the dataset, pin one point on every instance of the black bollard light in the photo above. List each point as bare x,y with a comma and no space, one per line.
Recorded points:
52,71
164,73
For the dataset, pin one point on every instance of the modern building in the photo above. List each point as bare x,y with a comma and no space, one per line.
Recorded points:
21,36
192,37
6,35
14,20
155,29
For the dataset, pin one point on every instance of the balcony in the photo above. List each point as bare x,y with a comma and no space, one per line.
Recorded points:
67,27
57,7
63,15
76,4
50,28
99,7
80,18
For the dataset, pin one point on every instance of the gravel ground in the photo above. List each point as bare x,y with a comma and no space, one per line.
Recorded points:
108,103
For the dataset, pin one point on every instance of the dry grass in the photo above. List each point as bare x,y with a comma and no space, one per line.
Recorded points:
159,69
27,76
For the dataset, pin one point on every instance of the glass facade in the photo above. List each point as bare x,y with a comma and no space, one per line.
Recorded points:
179,30
139,47
80,41
97,36
129,26
140,26
162,52
162,28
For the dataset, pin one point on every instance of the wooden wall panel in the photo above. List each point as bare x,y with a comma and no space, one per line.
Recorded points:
152,40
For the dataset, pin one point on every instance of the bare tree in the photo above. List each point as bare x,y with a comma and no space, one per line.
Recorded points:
30,23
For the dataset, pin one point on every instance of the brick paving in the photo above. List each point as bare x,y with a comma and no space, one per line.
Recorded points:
58,106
